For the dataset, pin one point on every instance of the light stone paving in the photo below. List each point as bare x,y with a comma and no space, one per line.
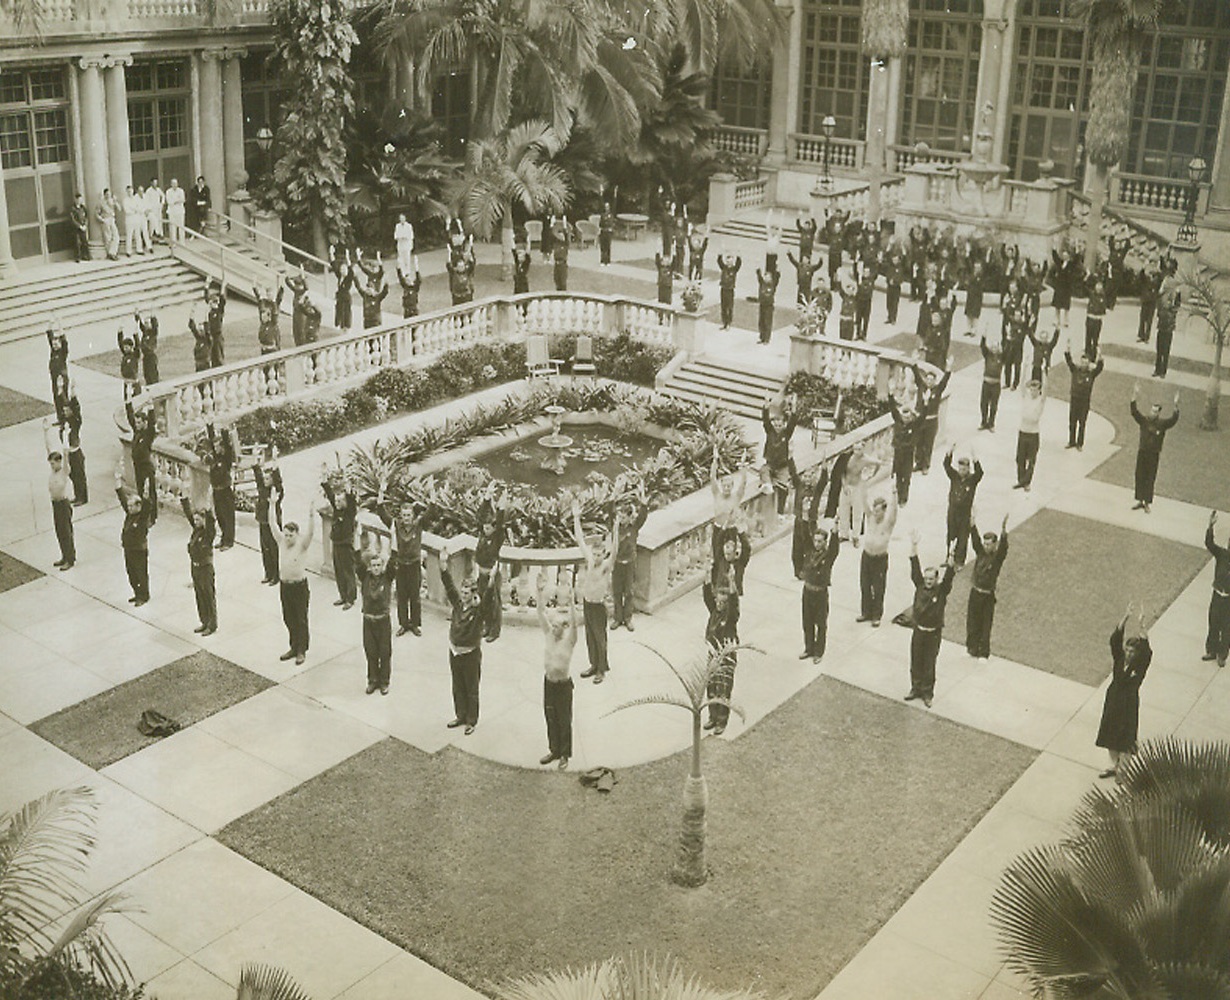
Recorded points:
206,911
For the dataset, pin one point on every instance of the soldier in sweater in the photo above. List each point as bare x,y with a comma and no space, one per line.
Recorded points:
778,432
129,344
990,552
1217,641
766,292
460,279
1168,301
819,553
144,430
931,590
606,233
372,290
806,227
201,557
1084,373
409,574
906,424
721,631
666,278
1150,291
1095,313
70,428
930,394
521,269
374,569
728,269
134,540
410,289
269,495
562,232
465,642
343,276
202,346
297,283
492,533
147,338
223,450
698,244
1153,430
341,535
803,271
894,268
215,301
269,306
963,483
992,370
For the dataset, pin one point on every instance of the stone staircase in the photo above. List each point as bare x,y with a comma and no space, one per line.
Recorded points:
754,229
93,292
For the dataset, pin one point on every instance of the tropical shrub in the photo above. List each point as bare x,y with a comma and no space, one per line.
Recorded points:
816,395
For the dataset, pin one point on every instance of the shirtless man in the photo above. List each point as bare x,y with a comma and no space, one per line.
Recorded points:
595,585
873,567
293,546
559,630
728,493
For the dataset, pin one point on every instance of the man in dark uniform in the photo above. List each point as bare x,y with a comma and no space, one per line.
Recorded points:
766,287
269,308
197,209
215,301
992,370
374,569
728,268
563,240
623,572
80,219
201,555
1152,436
906,424
522,258
1217,642
134,540
989,555
409,573
410,290
962,486
931,592
666,278
460,279
341,536
1084,373
222,453
465,643
819,554
606,231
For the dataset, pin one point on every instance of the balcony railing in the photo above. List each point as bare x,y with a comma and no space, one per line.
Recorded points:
80,17
902,157
742,141
844,154
1161,195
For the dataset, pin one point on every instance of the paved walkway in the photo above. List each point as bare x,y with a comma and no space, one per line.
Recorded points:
206,910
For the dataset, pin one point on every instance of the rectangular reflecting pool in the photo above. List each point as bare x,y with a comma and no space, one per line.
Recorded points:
594,451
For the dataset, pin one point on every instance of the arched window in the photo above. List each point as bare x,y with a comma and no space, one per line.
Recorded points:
835,75
941,73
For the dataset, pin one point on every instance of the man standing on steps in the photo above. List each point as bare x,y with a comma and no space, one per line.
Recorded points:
1084,373
931,592
728,267
989,555
1217,642
198,206
293,547
1153,430
80,219
107,211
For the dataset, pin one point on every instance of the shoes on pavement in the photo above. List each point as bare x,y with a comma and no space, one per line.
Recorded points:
385,689
370,689
913,696
598,678
288,655
469,730
548,759
1108,773
927,702
299,660
563,763
455,723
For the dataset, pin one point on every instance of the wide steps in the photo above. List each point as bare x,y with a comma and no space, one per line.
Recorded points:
749,230
710,384
84,294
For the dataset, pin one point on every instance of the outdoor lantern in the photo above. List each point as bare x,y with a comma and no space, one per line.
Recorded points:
830,126
1196,169
264,138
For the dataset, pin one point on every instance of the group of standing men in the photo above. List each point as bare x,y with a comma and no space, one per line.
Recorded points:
149,214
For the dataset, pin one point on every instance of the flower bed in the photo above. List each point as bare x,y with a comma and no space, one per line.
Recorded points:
294,426
384,474
815,394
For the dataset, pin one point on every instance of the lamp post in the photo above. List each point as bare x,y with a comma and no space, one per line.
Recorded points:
828,126
264,142
1195,174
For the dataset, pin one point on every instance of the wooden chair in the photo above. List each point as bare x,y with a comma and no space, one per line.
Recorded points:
537,363
533,233
587,233
583,360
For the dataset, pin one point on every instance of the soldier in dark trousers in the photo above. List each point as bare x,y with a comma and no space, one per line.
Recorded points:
268,307
374,569
61,506
521,269
992,371
465,643
147,337
894,274
766,288
410,290
134,540
1168,301
460,279
963,483
623,574
1150,291
930,395
560,639
408,563
341,536
71,428
269,494
293,547
144,431
728,269
1153,430
222,451
80,219
931,592
373,292
201,555
804,269
492,534
1084,373
721,630
1217,642
215,301
819,554
606,231
906,424
989,555
666,278
343,301
563,240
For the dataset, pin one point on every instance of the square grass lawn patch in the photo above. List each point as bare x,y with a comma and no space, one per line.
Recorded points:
14,573
16,407
961,354
1195,464
1065,585
175,348
822,820
103,729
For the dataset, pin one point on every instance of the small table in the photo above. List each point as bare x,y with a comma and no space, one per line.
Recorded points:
631,224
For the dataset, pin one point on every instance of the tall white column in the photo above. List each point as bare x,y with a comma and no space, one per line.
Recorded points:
1219,194
213,163
232,119
784,103
94,154
119,155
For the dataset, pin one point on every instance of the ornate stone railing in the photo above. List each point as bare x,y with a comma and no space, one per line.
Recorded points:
891,191
751,194
902,157
1161,195
93,17
844,196
844,154
183,406
743,141
851,363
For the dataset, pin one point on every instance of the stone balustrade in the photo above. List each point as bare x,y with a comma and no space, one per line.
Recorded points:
1163,197
843,154
751,194
183,406
851,363
92,17
742,141
901,158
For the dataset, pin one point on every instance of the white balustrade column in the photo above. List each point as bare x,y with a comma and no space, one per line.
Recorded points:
209,100
94,154
232,119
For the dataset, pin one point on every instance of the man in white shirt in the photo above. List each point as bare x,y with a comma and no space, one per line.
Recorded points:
134,222
403,235
176,199
1027,440
873,567
154,202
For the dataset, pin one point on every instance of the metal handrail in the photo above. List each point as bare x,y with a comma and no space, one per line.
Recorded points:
257,235
222,248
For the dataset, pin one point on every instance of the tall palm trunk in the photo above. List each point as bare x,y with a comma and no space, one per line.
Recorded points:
691,868
1208,421
506,243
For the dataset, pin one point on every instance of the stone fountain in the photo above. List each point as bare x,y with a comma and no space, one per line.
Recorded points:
555,442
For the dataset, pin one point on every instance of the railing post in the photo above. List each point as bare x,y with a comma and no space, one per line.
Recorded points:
296,373
505,324
619,317
722,189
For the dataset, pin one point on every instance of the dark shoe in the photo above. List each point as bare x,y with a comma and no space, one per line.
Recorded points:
709,725
288,655
588,673
913,696
132,600
598,678
817,658
274,583
266,580
875,623
490,638
370,688
416,630
338,603
1070,444
718,730
1209,656
1147,508
805,655
385,689
58,563
402,630
1019,486
80,503
628,625
1139,505
927,701
614,624
139,602
209,631
455,723
548,759
563,763
1108,773
199,629
67,565
348,605
228,545
299,660
469,730
862,618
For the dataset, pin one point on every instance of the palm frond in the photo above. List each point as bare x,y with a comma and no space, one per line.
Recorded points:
654,699
268,982
85,940
590,982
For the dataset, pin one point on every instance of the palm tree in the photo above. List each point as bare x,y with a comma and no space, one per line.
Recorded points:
885,25
634,977
44,847
1135,903
690,868
512,171
737,32
1118,30
550,58
1203,298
